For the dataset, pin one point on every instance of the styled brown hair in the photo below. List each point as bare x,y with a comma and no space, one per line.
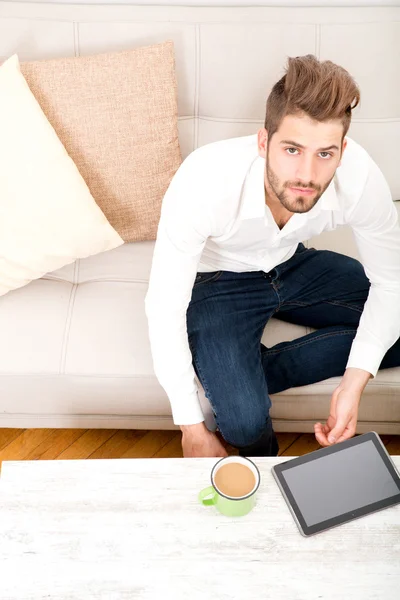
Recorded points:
322,90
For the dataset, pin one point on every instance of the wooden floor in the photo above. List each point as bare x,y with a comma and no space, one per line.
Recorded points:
59,444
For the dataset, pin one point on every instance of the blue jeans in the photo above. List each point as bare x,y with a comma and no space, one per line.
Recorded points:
226,318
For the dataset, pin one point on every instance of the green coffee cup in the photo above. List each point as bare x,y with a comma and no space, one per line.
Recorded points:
229,505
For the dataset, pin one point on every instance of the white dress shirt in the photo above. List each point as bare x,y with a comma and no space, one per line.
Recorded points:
214,217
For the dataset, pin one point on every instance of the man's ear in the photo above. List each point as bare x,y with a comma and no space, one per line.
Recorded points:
343,149
262,142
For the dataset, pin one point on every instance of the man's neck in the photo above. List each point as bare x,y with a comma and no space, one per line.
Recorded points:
280,214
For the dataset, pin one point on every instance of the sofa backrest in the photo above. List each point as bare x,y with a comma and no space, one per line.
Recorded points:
228,57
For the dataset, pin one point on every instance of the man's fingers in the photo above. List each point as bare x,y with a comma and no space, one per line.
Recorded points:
341,439
322,441
320,434
334,433
347,434
337,432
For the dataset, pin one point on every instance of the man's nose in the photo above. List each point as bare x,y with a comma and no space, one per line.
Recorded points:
306,172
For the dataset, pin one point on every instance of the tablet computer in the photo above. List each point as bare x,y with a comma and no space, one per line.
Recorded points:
334,485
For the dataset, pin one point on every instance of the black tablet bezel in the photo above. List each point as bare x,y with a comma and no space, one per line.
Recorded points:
345,517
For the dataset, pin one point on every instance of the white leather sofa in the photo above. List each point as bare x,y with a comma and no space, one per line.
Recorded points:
74,349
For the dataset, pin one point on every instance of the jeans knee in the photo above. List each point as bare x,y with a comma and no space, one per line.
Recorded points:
240,433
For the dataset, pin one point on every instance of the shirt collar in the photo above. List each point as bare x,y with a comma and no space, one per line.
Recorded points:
253,194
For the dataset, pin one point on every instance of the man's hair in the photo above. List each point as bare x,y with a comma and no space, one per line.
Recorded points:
321,90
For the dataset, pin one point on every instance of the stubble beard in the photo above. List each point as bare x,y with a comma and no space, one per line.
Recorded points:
292,203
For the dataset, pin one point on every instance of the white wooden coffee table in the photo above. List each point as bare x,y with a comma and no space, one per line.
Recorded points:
133,528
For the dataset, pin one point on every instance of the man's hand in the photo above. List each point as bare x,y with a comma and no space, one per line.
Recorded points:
198,441
342,421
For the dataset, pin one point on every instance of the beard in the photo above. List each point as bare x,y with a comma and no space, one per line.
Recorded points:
288,198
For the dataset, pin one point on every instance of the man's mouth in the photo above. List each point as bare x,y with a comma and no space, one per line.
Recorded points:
306,191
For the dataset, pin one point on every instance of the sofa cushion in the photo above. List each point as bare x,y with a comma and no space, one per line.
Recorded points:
116,114
48,217
72,349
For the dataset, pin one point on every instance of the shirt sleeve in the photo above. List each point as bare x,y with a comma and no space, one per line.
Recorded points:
376,229
182,233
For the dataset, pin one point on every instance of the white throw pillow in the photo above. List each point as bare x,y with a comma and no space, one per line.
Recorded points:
48,217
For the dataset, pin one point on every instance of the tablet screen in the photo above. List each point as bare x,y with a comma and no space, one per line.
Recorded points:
340,482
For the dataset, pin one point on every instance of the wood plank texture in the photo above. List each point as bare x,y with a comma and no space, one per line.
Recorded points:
72,444
87,443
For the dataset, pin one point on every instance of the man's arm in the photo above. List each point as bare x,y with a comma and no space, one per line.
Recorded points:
182,232
376,228
184,226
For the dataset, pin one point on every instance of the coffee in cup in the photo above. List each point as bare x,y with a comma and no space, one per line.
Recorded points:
235,480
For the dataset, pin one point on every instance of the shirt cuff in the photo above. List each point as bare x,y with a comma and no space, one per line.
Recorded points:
187,410
365,356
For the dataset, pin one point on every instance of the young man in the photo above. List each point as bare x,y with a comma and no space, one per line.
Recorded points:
229,256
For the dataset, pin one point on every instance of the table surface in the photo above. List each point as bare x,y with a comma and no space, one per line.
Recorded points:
133,528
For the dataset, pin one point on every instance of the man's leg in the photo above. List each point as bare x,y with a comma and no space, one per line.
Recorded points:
225,320
327,291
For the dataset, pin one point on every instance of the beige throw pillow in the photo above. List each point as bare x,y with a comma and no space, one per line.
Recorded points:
48,217
116,115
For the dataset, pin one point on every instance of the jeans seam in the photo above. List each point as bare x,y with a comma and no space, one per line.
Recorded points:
277,309
300,344
345,305
334,302
203,383
295,303
215,277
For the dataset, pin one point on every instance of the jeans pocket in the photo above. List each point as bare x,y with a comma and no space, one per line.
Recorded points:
207,277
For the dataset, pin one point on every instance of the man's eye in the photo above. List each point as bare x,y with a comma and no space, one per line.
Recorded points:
327,153
295,149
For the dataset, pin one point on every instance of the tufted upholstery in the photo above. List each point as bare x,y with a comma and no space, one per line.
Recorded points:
74,350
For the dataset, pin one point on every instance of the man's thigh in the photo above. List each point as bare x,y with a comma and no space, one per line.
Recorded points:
319,288
225,321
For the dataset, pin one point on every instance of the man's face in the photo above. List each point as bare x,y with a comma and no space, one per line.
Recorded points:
302,154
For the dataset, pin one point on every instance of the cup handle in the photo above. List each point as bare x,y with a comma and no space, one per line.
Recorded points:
203,496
